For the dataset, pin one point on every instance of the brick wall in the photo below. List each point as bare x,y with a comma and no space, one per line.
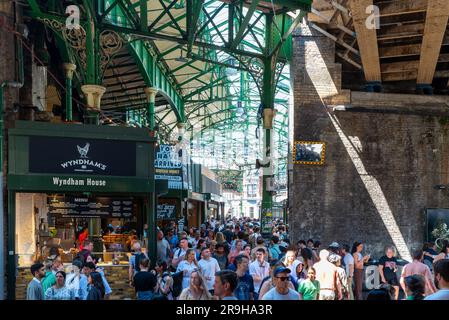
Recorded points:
7,73
382,162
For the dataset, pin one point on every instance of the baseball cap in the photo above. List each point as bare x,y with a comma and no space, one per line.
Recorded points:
281,270
334,245
333,258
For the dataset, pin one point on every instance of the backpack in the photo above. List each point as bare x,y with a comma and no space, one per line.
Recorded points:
177,283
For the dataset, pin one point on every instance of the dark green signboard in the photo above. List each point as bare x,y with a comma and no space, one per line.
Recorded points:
80,158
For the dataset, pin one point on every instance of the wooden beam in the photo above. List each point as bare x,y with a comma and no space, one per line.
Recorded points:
405,66
367,40
400,51
397,7
400,31
436,22
334,38
400,76
411,75
399,67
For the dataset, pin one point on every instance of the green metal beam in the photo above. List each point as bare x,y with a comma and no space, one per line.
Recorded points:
202,73
245,23
143,15
154,77
295,23
194,8
202,89
156,36
170,24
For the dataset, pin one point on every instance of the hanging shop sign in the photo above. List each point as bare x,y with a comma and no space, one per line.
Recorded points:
166,211
212,205
82,156
76,207
169,165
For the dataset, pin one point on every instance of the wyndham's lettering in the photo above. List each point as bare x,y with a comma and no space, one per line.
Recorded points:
85,162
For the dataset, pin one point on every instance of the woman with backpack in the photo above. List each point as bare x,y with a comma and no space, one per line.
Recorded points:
164,280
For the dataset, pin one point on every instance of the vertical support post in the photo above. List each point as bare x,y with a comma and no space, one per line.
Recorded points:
143,15
151,99
69,69
11,288
151,220
151,212
267,100
92,45
2,245
93,95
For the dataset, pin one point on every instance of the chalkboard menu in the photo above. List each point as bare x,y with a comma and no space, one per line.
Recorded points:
77,207
166,211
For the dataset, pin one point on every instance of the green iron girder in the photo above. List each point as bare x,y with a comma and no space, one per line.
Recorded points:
245,23
194,8
118,13
154,77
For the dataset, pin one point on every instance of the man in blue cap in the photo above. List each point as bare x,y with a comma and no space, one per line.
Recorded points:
281,290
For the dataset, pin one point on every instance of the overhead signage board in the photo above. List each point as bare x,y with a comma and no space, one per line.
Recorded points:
169,165
82,156
76,207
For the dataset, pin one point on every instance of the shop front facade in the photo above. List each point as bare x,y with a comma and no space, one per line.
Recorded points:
70,182
194,192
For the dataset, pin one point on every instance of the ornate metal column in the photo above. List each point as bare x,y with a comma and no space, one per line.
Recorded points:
151,98
151,211
93,94
267,100
69,69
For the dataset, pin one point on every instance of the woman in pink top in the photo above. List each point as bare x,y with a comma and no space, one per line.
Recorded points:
236,251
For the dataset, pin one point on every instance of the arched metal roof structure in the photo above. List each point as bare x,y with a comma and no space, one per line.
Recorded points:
205,57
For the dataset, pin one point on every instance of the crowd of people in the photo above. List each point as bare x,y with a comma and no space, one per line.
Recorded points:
233,261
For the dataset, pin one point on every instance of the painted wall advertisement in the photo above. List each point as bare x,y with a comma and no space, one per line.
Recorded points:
171,165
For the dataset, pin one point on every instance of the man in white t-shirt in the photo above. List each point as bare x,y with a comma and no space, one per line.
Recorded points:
180,252
259,269
281,291
208,267
441,270
349,265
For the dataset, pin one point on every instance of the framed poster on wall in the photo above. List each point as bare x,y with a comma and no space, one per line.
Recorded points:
309,152
437,222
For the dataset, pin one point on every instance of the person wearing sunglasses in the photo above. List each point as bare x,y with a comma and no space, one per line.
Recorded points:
281,291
